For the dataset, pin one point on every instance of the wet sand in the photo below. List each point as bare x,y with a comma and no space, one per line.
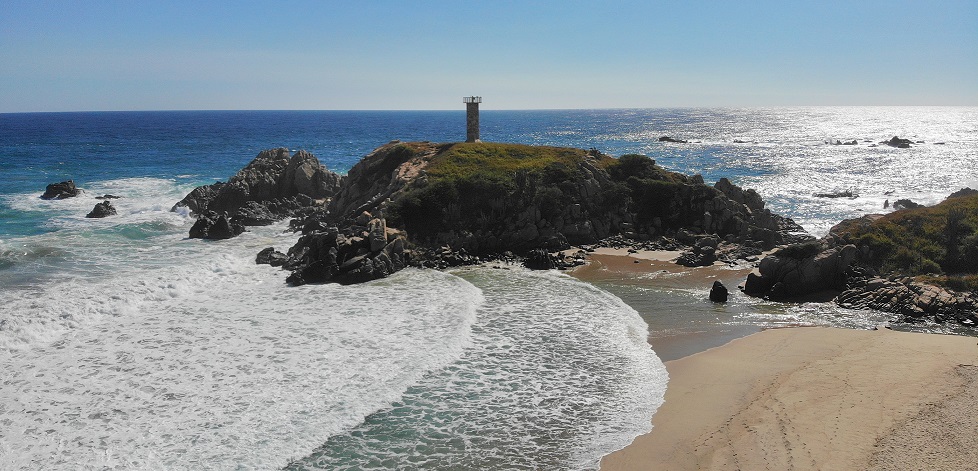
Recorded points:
796,398
816,398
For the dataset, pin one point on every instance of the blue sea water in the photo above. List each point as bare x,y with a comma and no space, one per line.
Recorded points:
127,346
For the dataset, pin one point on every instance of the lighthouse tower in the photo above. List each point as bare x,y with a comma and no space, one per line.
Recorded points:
472,118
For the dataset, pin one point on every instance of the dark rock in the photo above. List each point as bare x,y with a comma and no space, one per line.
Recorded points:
270,256
60,191
102,210
673,140
906,204
540,259
334,256
898,143
800,270
274,181
214,226
914,300
107,197
718,293
703,253
837,194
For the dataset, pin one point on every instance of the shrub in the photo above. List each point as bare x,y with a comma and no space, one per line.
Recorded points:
801,251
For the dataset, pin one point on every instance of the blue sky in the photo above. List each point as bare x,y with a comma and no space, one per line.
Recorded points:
155,55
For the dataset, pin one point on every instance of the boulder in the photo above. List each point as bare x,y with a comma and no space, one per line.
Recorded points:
60,191
800,270
214,226
718,293
270,256
539,259
102,210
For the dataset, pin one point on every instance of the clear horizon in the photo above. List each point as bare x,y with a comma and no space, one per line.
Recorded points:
388,56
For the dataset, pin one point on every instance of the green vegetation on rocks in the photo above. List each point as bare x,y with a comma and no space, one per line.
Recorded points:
940,241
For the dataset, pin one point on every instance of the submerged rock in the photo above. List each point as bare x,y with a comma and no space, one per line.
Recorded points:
673,140
60,191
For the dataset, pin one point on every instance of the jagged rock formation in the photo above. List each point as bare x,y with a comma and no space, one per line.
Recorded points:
352,255
271,187
60,191
101,210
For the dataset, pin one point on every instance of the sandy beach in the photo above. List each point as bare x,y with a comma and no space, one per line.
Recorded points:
799,398
816,398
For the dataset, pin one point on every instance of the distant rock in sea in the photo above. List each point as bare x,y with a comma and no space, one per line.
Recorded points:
898,143
673,140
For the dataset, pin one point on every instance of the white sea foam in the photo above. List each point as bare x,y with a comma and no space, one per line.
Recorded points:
213,362
559,374
127,346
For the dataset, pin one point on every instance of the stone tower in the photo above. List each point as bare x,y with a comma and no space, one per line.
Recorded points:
472,118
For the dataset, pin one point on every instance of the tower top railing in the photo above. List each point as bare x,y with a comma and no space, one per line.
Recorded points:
472,99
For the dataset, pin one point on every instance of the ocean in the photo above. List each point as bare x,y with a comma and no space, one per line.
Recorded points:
125,345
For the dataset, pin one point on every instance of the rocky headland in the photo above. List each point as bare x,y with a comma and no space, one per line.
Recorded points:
919,262
439,205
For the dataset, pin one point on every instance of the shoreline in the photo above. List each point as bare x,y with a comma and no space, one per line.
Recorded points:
815,398
673,337
796,397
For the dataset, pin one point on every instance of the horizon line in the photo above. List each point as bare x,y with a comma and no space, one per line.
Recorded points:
462,110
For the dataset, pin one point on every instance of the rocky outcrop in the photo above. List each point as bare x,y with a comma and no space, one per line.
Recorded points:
914,300
270,188
449,198
60,191
214,226
101,210
800,270
353,254
273,180
906,204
